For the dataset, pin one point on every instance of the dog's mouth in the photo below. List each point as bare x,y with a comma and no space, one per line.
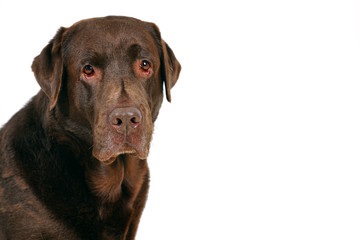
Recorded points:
109,161
108,149
115,156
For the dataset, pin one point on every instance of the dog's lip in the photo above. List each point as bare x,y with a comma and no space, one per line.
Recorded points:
109,161
126,148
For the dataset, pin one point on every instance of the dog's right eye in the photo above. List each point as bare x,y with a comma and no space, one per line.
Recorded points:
89,71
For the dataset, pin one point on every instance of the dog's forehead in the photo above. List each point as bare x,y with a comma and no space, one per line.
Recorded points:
109,33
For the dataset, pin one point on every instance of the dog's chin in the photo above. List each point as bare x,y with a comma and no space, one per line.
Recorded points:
109,155
113,158
109,161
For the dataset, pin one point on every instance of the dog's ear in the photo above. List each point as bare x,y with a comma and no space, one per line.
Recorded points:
170,67
48,67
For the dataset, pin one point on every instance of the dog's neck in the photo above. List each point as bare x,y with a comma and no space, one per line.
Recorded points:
119,180
105,181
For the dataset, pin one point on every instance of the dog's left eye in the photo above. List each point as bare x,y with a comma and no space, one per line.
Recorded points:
143,69
88,70
145,66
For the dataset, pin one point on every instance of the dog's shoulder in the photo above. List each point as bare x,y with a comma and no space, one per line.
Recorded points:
22,214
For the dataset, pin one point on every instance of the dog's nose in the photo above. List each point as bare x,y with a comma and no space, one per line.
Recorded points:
126,118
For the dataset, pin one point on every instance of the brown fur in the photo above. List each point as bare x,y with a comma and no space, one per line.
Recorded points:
66,171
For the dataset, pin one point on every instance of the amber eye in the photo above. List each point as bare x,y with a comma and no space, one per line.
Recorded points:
145,66
88,70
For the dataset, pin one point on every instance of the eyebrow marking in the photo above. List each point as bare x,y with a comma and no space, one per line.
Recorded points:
93,58
134,51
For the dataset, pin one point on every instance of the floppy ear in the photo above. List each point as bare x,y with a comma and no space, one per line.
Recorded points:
48,68
170,68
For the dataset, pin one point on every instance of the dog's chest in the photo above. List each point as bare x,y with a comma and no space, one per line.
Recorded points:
116,187
119,181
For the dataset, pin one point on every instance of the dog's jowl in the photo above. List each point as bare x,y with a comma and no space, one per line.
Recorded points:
73,160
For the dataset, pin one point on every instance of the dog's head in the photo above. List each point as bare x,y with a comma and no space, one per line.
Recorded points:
106,76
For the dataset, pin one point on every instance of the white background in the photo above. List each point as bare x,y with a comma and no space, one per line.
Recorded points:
262,139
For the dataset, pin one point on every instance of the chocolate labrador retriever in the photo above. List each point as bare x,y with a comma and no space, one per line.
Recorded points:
73,160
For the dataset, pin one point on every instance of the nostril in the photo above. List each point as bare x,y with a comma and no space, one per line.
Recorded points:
117,121
134,120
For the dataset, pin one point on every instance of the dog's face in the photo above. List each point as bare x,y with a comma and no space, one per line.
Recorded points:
106,75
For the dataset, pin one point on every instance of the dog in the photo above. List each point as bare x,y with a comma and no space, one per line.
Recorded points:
73,160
